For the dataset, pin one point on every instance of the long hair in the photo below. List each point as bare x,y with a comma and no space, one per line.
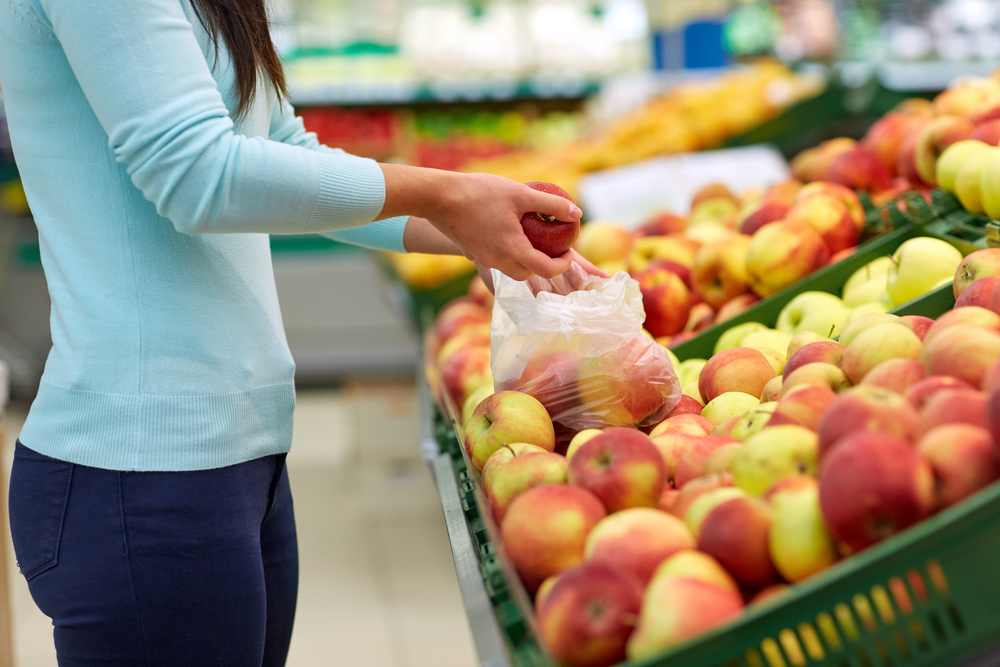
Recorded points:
244,27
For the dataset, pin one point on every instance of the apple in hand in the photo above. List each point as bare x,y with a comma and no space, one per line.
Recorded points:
545,530
799,542
963,459
873,485
505,418
586,617
522,473
637,540
622,467
867,408
551,236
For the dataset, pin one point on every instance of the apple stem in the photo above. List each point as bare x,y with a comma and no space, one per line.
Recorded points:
547,218
832,327
894,261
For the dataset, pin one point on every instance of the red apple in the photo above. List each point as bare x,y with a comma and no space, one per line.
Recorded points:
588,614
826,352
662,224
860,169
918,324
672,447
866,408
465,371
886,136
872,486
939,133
622,467
695,489
921,391
551,236
545,530
742,369
844,195
735,533
804,406
962,351
637,540
735,306
987,132
628,385
692,424
502,457
963,459
969,315
783,253
686,406
665,300
720,272
978,293
521,474
954,406
505,418
692,458
896,375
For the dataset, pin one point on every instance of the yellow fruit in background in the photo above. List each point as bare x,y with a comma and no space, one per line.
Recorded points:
919,265
734,337
767,338
989,189
969,180
689,370
866,309
426,271
953,158
867,283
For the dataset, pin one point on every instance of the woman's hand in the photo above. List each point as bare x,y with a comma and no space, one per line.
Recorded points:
571,255
481,214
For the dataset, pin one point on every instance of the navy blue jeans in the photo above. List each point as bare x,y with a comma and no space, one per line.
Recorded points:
158,568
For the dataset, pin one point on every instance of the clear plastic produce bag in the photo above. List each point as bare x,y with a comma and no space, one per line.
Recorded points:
576,344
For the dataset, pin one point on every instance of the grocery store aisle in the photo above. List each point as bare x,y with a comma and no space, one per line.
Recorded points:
378,586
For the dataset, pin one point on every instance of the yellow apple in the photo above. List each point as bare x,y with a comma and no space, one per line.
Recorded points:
773,454
867,309
969,180
767,339
918,265
799,541
953,158
689,370
989,189
729,404
734,337
791,316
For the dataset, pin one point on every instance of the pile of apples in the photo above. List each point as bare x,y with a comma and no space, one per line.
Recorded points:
903,149
635,542
728,253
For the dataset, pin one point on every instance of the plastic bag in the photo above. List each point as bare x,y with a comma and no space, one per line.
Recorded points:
576,344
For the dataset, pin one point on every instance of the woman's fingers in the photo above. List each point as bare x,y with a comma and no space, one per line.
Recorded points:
585,264
554,205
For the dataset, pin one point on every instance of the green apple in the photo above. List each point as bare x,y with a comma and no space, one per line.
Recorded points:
826,321
856,326
753,421
773,454
767,338
707,502
734,337
989,189
791,316
729,404
689,370
954,158
473,401
799,541
919,265
868,281
691,389
675,362
969,179
866,309
802,339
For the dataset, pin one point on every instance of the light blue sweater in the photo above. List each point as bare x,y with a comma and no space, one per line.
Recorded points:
153,209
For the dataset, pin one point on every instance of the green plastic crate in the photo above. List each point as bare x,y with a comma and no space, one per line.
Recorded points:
829,279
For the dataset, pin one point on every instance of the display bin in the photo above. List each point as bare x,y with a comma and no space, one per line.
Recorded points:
967,231
927,597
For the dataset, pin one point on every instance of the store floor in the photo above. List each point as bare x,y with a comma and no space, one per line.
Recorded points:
377,585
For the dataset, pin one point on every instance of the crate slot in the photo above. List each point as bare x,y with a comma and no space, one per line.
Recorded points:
864,610
846,622
811,642
793,649
883,653
899,593
956,618
937,626
829,631
917,632
883,605
937,577
863,658
772,653
754,659
902,646
918,586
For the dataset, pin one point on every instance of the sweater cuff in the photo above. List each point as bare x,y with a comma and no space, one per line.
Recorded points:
351,191
380,235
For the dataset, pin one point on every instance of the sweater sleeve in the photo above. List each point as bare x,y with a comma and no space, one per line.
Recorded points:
146,79
387,234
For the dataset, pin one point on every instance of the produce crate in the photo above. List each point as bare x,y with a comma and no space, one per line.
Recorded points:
967,231
829,279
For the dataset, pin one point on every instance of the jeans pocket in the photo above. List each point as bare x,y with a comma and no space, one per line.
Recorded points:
39,493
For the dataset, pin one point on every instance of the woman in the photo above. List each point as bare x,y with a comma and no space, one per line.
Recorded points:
149,504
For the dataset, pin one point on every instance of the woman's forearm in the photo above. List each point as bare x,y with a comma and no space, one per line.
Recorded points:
421,236
415,191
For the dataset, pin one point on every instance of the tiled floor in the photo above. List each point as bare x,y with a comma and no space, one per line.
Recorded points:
378,586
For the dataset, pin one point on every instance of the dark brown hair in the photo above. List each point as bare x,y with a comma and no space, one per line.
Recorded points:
244,27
